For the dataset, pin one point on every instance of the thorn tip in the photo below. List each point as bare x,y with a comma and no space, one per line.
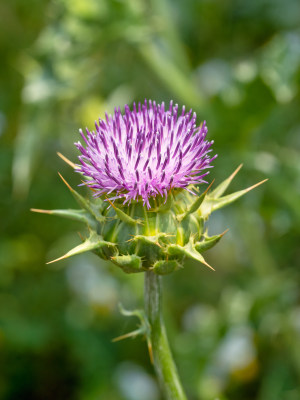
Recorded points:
223,233
57,259
37,210
66,160
257,184
65,182
235,172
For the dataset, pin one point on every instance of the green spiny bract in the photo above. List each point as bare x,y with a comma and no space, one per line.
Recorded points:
138,239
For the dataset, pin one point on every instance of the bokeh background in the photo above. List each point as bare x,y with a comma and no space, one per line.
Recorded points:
235,333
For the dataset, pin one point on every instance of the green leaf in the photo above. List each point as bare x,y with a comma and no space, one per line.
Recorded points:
208,242
189,251
92,243
164,267
129,263
150,239
83,202
76,215
123,216
164,207
194,207
213,204
143,329
220,189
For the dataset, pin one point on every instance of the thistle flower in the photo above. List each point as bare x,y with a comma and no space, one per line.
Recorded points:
145,152
155,157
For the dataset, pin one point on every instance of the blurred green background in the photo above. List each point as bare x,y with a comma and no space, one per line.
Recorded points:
236,332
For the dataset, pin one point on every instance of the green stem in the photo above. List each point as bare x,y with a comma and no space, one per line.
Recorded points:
163,361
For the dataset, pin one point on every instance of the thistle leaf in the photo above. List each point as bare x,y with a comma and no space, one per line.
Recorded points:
76,215
92,243
123,216
220,189
212,204
165,206
164,267
150,239
189,251
194,207
208,242
132,313
133,335
129,263
144,328
84,203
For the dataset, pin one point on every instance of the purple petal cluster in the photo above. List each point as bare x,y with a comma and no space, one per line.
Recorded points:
145,152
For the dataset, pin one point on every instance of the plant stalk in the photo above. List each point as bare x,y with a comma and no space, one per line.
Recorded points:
162,357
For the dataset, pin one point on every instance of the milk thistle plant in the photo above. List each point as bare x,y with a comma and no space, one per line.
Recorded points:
147,210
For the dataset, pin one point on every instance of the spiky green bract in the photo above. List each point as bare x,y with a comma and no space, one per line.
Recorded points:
138,239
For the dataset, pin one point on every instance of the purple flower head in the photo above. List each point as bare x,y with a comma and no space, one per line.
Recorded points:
145,152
